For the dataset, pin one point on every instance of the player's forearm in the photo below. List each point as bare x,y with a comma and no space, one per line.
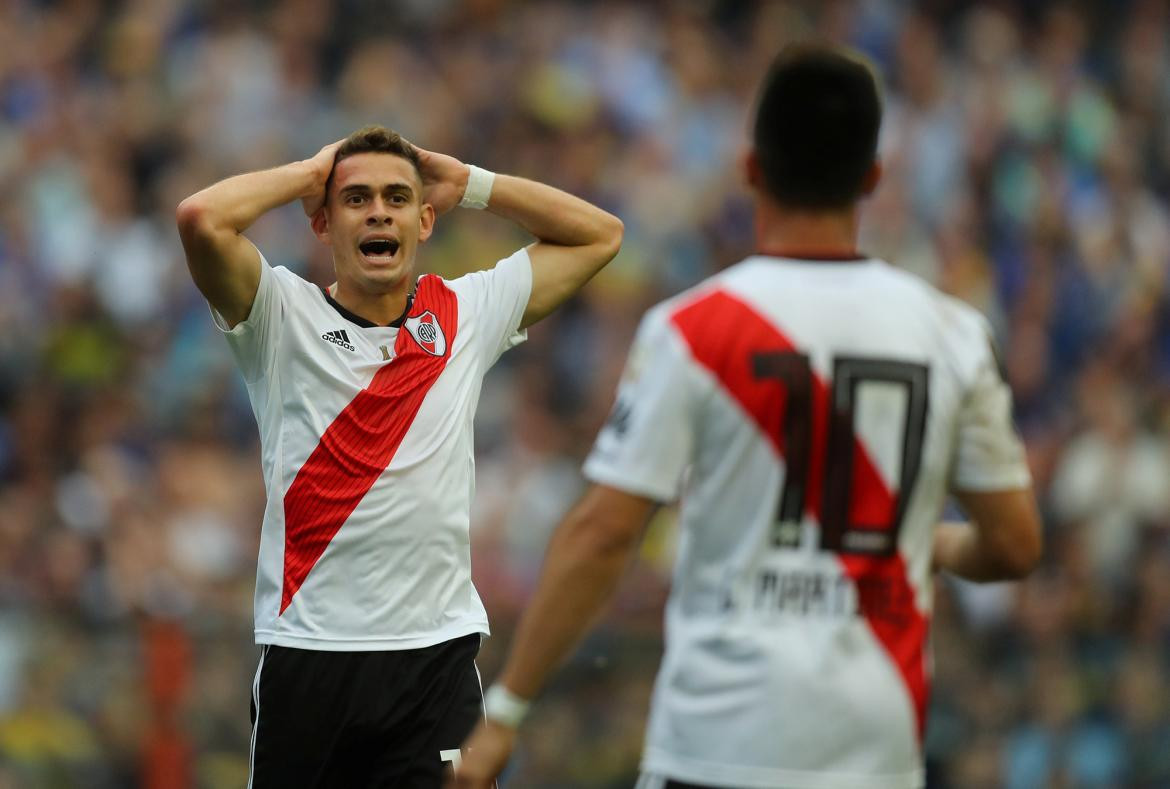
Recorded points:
553,216
235,203
959,548
581,572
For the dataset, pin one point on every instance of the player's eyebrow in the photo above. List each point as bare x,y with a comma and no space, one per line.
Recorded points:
399,187
396,187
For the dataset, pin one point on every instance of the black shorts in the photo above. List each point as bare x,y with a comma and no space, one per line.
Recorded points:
362,719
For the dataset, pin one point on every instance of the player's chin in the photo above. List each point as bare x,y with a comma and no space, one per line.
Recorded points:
384,277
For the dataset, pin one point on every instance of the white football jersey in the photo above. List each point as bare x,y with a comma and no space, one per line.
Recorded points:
812,416
366,442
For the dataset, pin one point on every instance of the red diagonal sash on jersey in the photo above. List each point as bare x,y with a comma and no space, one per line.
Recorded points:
360,443
723,333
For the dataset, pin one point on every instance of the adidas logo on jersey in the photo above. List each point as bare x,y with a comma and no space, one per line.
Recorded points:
339,337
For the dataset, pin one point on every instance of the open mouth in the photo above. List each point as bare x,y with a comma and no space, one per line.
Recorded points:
379,248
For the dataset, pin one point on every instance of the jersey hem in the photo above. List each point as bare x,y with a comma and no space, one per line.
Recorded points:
1020,479
595,470
695,771
382,644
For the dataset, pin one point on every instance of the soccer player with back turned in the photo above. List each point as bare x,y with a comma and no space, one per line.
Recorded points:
812,407
364,393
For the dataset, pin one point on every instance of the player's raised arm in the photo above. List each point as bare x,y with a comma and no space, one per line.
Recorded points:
575,238
223,263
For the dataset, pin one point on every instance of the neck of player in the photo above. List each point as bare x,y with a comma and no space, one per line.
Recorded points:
379,308
787,232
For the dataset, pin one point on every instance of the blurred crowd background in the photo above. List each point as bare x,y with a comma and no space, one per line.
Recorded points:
1027,161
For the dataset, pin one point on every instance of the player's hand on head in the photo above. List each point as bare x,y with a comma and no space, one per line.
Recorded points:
485,754
444,179
322,165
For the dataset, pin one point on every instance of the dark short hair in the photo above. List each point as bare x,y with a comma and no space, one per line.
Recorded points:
816,127
374,139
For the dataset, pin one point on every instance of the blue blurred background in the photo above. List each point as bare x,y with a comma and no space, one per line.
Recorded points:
1027,158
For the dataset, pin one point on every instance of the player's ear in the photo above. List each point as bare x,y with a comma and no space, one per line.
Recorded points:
426,222
873,177
752,170
320,224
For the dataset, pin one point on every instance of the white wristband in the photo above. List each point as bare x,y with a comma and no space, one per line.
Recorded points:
504,707
479,187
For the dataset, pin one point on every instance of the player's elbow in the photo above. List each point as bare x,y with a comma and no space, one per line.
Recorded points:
606,524
1029,549
1010,534
599,534
1016,551
612,233
193,219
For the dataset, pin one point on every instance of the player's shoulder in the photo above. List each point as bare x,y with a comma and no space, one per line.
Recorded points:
280,284
661,317
514,268
704,297
462,284
962,333
954,318
289,281
433,283
960,324
900,287
698,317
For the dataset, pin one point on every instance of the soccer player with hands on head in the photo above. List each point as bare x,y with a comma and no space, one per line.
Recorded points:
812,408
364,393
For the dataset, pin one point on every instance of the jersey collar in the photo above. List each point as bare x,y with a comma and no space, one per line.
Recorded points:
366,323
795,254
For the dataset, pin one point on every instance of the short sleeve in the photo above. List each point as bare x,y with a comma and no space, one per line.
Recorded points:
648,442
989,454
499,296
253,340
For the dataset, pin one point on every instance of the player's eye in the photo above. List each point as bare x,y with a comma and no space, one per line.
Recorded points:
398,199
354,200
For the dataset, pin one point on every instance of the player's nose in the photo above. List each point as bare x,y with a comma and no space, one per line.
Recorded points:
379,212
